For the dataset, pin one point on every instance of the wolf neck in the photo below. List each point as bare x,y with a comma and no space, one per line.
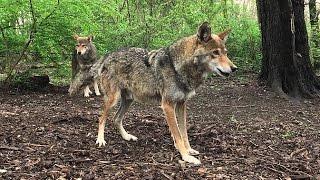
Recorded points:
181,53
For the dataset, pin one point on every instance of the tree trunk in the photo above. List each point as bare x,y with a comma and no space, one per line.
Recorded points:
310,83
286,66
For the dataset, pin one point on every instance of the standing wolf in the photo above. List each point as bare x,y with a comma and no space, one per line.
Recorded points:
168,76
84,57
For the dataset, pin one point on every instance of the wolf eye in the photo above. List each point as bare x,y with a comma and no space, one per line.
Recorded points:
77,45
216,53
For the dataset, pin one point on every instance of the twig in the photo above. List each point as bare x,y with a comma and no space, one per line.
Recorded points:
280,155
274,170
8,113
203,131
4,147
60,120
292,171
37,145
78,160
105,162
239,106
255,145
297,152
80,150
166,175
285,168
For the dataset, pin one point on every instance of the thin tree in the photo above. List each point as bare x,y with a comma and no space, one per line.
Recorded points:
315,32
286,65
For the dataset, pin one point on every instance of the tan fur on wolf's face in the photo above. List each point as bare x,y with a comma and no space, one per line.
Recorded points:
82,44
215,53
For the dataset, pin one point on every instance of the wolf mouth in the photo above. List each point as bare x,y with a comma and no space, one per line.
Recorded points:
223,73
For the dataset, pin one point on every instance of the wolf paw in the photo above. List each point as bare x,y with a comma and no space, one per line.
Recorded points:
98,93
101,142
86,95
191,159
193,152
175,145
129,137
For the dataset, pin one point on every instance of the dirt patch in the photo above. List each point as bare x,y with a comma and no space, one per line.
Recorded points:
241,130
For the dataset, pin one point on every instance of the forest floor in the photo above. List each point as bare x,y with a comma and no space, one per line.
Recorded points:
242,131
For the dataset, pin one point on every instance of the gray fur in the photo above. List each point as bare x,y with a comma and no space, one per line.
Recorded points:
168,76
127,69
83,64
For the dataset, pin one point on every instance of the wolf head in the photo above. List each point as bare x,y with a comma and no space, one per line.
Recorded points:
212,52
83,44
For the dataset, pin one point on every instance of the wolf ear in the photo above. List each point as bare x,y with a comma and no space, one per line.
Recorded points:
204,32
224,35
90,38
75,37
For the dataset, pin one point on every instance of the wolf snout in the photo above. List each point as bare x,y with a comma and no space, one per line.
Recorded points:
79,53
234,69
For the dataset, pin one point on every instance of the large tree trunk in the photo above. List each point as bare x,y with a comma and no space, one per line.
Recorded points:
286,66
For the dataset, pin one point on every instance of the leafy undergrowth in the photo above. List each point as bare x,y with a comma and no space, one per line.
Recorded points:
241,130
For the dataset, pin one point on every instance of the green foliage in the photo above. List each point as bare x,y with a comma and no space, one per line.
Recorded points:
314,34
115,24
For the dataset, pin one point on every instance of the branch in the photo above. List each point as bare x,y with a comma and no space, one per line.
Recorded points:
5,41
51,13
7,27
26,45
123,5
4,37
31,36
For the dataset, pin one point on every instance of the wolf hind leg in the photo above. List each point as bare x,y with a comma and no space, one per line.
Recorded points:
124,106
96,88
110,99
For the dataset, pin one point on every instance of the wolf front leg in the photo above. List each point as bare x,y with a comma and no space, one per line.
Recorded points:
87,91
182,123
169,111
96,88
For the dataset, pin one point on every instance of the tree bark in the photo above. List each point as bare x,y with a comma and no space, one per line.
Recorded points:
286,66
311,83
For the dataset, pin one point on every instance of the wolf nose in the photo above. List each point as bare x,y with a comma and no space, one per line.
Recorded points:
79,53
233,69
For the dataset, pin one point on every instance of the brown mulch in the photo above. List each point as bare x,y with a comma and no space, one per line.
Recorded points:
242,131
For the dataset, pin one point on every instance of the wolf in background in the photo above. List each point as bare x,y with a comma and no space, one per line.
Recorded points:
84,57
168,76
